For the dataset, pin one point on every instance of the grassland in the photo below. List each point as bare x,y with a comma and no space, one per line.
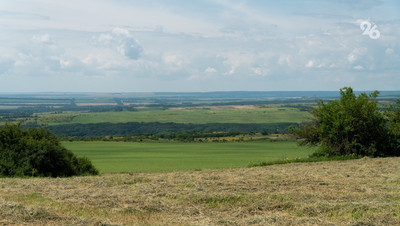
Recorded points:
195,116
114,157
356,192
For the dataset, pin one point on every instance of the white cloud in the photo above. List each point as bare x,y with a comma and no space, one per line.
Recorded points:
121,40
92,59
257,45
231,71
310,63
45,39
285,60
130,48
64,63
105,38
173,60
210,70
120,31
351,58
260,71
197,77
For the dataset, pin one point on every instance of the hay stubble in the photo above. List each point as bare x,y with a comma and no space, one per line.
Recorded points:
364,191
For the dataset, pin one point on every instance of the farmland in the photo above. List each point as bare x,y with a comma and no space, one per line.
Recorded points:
271,114
184,159
115,157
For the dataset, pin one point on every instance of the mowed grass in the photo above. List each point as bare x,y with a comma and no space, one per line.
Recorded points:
355,192
195,116
116,157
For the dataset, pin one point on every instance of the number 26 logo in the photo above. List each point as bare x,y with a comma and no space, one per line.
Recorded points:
370,30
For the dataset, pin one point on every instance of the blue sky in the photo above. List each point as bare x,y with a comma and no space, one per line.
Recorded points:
209,45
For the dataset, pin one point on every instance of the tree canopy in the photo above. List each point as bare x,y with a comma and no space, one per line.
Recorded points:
37,152
353,125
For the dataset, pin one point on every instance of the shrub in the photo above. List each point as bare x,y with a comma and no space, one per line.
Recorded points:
352,125
37,152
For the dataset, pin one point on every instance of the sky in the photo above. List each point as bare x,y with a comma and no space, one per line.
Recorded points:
196,46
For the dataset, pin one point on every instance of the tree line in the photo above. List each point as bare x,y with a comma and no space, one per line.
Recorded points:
157,128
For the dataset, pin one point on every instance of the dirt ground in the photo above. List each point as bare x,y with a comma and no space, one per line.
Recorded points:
354,192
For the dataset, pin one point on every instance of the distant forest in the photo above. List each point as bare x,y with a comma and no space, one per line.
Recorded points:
156,128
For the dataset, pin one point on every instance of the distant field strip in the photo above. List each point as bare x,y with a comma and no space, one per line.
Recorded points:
195,116
114,157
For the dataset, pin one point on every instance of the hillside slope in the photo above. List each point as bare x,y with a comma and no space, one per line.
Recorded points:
364,191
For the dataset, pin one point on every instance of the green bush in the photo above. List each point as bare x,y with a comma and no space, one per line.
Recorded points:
37,152
352,125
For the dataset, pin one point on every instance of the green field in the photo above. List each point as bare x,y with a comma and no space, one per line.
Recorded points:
113,157
195,116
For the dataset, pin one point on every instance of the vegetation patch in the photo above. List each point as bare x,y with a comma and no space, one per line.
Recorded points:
353,125
308,159
37,152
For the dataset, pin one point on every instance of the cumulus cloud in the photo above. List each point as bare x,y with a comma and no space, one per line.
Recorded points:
358,67
173,59
45,39
210,70
121,40
310,63
253,45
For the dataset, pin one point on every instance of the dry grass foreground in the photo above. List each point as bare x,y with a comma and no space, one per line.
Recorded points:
357,192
